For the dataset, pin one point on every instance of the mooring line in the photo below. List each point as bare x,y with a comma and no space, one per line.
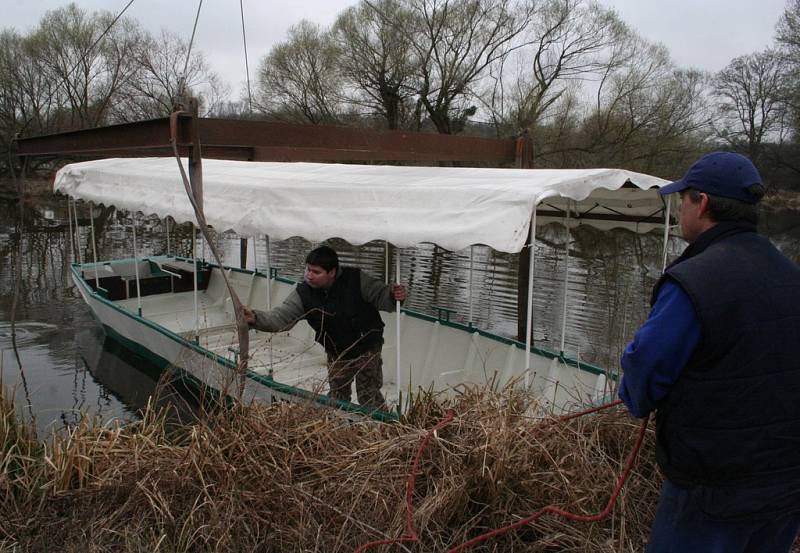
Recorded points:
411,533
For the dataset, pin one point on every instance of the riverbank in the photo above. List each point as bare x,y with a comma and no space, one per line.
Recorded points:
292,478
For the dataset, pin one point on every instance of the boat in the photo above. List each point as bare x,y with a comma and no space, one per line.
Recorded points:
177,311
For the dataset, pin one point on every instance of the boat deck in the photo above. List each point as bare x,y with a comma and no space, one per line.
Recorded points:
435,355
291,357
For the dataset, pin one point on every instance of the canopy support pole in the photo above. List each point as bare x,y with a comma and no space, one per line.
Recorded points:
666,231
524,160
566,281
471,268
194,277
77,231
94,248
243,253
397,326
136,268
269,297
166,224
269,273
386,262
71,236
529,316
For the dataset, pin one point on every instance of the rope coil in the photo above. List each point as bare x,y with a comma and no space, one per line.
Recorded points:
411,534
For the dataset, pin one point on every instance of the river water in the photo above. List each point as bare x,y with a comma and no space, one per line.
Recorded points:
69,368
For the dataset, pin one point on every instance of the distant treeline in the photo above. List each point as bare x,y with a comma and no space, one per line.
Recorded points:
591,91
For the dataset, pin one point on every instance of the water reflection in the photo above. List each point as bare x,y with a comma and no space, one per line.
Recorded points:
71,367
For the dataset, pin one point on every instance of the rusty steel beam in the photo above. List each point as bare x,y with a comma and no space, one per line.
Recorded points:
131,138
268,141
274,141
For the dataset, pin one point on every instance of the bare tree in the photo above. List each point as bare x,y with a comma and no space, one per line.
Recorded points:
602,95
788,39
25,91
575,40
152,89
376,57
750,93
118,60
300,79
786,155
646,111
455,42
568,43
87,74
652,121
788,29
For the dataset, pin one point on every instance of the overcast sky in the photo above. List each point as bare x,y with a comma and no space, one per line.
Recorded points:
705,34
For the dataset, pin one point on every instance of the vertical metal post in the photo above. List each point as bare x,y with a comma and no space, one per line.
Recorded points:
397,325
136,267
166,223
529,312
566,281
195,156
386,261
471,268
243,253
667,198
94,248
269,273
77,231
71,237
268,255
524,160
194,275
255,254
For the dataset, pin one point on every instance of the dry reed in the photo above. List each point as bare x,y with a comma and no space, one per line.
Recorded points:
292,477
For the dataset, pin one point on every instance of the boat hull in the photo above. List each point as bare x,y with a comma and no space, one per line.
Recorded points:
436,354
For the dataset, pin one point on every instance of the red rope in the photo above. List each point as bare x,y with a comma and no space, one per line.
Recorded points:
566,514
589,411
411,533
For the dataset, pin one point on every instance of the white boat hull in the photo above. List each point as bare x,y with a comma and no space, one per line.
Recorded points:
435,354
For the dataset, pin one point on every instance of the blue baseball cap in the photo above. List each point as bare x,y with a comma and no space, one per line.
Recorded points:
721,174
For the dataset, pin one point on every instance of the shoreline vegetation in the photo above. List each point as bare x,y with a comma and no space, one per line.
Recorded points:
293,477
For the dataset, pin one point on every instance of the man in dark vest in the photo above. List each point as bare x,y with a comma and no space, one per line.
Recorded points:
718,359
341,304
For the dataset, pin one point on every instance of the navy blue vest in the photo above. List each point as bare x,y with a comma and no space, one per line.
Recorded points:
733,417
345,324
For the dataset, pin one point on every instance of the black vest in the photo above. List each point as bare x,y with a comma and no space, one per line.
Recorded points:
732,419
345,324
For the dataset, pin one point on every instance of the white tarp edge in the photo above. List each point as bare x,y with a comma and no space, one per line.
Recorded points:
451,207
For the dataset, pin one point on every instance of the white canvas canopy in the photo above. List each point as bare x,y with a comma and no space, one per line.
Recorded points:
451,207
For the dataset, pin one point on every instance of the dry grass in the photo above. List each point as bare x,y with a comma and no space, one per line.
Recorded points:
290,477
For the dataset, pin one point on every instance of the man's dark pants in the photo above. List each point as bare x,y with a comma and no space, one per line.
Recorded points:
680,526
366,370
